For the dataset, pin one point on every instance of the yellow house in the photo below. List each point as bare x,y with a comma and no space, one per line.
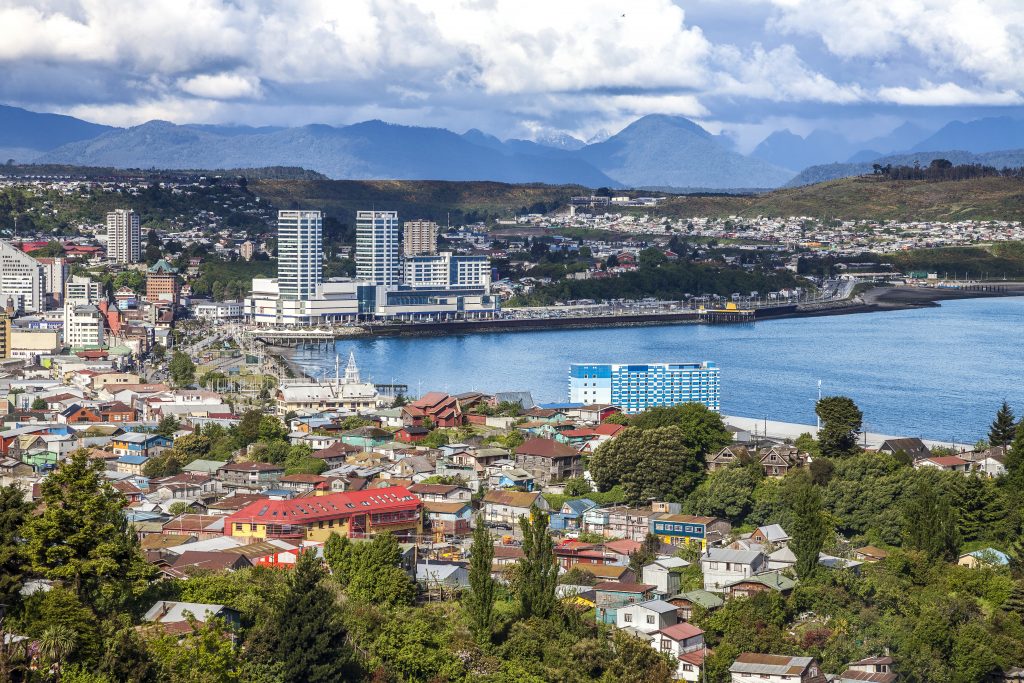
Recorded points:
348,513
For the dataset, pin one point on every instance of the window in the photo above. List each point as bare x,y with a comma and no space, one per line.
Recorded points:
650,618
627,617
238,527
714,565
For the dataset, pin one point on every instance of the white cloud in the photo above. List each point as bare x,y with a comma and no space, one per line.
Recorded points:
947,94
222,86
984,38
573,65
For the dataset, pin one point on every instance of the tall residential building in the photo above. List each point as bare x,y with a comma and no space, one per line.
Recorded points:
635,388
83,321
5,336
124,238
55,272
300,253
247,250
446,270
377,247
22,280
419,238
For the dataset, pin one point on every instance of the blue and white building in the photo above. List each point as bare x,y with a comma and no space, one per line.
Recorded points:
635,388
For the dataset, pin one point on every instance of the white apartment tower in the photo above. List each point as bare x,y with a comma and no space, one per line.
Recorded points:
377,258
419,238
83,322
124,239
300,254
22,280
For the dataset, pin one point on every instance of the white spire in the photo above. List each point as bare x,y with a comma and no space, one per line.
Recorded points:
351,370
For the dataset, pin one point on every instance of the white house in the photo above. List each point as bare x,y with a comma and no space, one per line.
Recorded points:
647,617
722,566
664,573
685,643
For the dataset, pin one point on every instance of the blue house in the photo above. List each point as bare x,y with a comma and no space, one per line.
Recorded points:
570,516
685,529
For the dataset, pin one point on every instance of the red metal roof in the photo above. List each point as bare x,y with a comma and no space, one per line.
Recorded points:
331,506
681,631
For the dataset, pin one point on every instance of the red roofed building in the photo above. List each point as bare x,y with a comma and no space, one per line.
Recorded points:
350,513
440,409
950,463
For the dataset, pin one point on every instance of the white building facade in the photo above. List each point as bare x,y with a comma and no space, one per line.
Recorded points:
22,280
124,236
377,256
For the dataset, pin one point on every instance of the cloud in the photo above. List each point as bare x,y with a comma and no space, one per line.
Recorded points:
946,95
507,66
982,38
222,86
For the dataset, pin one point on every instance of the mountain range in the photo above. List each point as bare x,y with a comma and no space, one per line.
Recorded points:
655,151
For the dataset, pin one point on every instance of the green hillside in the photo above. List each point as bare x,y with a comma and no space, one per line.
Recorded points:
869,198
431,199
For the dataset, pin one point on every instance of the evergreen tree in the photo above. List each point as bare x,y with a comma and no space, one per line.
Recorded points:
1001,432
374,572
808,526
181,369
83,539
305,634
538,569
480,599
337,557
1015,601
930,523
14,510
1015,460
841,420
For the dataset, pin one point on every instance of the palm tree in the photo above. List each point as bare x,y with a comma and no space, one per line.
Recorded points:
55,645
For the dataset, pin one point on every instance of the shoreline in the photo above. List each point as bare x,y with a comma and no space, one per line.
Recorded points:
876,300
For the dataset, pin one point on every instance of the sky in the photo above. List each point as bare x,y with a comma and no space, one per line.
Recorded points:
519,68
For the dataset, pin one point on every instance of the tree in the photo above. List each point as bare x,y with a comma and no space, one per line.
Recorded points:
841,421
14,510
479,602
39,403
577,486
1002,431
181,369
702,429
206,655
637,662
648,463
83,539
644,555
930,523
56,643
1015,460
617,419
167,426
305,634
373,572
808,528
178,508
727,493
538,569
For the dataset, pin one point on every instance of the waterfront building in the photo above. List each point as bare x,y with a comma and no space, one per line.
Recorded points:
299,253
124,237
448,270
345,392
419,238
22,280
636,387
377,247
217,310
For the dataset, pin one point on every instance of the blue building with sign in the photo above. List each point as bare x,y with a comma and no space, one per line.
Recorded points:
635,388
684,529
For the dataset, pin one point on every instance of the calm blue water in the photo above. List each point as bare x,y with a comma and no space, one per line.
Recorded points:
938,372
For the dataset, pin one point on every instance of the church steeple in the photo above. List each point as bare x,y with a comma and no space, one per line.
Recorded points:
351,370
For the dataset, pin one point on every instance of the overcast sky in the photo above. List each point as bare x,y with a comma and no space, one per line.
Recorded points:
518,68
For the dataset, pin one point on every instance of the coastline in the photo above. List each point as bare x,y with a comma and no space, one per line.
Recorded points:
878,299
